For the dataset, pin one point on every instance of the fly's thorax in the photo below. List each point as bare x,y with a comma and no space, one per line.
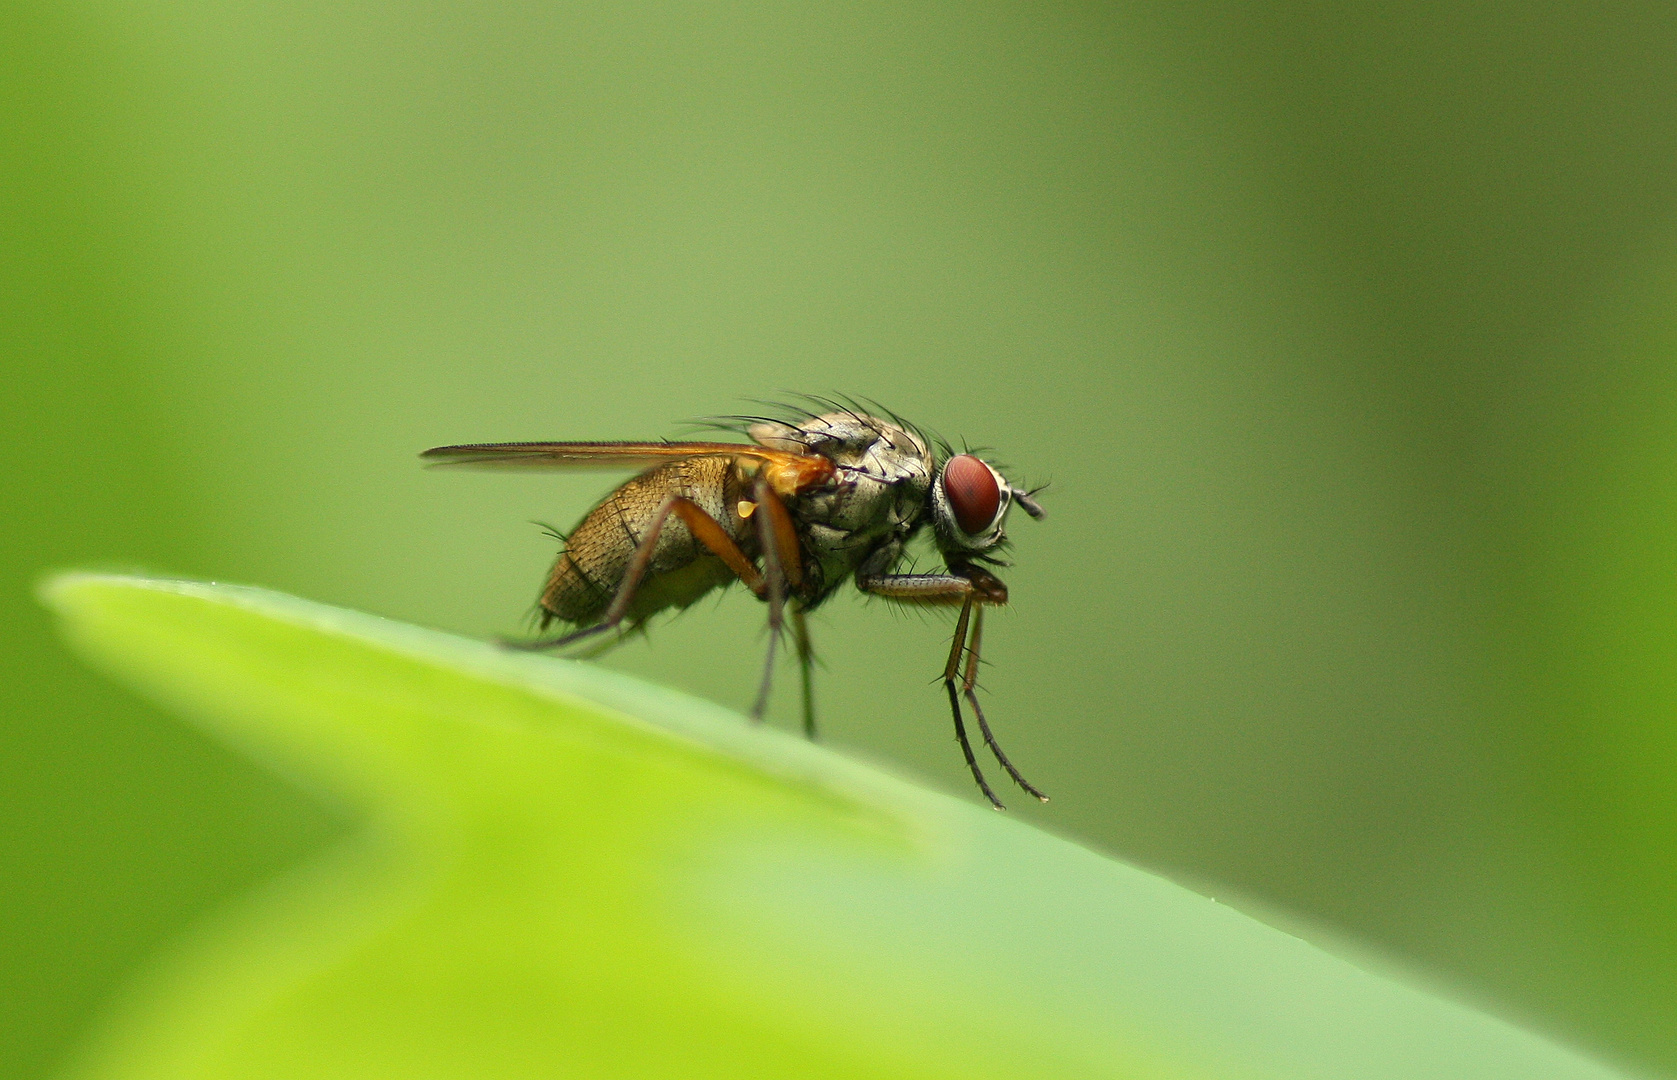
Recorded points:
882,470
878,492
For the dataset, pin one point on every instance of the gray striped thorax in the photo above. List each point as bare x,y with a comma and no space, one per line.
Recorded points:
878,501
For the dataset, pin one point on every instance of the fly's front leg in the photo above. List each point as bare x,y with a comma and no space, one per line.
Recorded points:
973,589
943,589
950,670
968,687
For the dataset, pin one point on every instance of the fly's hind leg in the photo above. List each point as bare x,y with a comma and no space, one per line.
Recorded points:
705,530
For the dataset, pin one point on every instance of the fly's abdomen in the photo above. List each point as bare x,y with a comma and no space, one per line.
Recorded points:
597,553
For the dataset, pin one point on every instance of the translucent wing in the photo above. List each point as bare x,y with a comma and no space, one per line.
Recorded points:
575,456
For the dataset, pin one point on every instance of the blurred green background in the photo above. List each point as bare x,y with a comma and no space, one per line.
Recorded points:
1344,332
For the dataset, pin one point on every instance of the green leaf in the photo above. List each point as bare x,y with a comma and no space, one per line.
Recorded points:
560,871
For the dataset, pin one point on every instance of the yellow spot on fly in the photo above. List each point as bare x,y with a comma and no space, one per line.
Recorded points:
746,508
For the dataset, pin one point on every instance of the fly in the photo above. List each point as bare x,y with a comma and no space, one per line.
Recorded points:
809,503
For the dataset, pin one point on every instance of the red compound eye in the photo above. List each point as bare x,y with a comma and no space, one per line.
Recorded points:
972,492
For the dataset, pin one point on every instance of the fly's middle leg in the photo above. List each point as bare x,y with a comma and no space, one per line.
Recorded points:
782,569
806,664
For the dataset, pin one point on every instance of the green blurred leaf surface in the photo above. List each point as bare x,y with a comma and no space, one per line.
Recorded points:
561,871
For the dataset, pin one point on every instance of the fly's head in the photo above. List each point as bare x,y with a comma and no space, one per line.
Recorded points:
970,499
